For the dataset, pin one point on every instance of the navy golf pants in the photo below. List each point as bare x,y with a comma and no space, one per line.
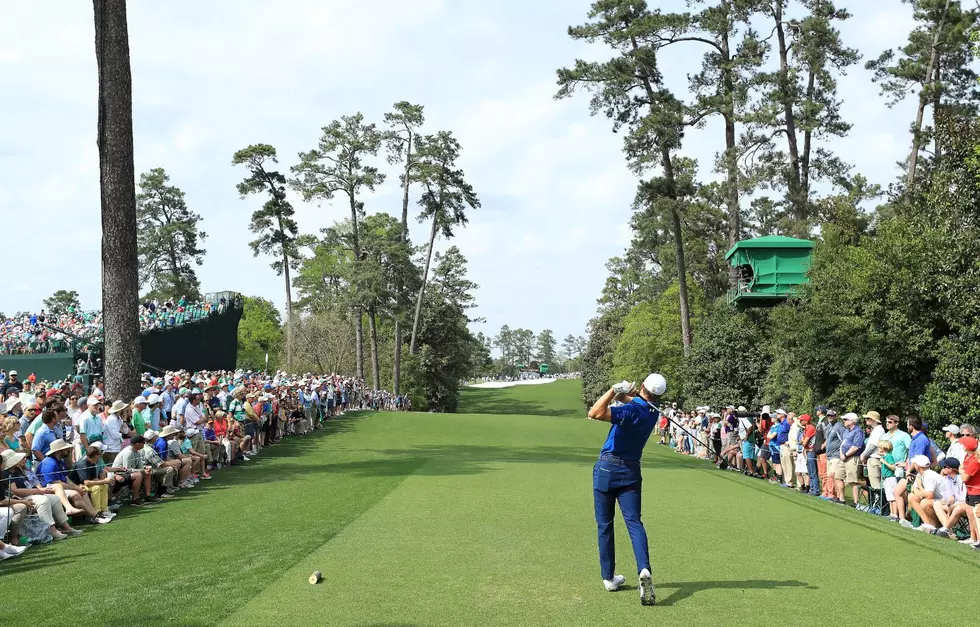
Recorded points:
613,480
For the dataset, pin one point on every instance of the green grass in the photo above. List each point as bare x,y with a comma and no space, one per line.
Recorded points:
477,519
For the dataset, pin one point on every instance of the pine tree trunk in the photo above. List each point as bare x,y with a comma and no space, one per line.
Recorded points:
358,311
401,287
289,314
675,219
924,97
807,138
937,97
668,166
731,150
425,277
373,329
797,202
120,280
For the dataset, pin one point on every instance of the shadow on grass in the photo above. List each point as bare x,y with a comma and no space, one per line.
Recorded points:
432,460
39,557
686,589
490,401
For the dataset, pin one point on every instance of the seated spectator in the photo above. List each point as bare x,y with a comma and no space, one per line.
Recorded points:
216,450
136,474
162,475
922,494
11,429
949,493
181,465
90,472
24,484
45,435
53,471
13,511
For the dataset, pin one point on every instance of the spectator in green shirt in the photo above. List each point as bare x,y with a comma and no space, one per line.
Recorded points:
139,415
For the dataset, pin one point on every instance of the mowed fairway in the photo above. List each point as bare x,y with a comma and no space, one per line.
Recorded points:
480,519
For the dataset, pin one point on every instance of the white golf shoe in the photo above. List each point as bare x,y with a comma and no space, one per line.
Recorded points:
613,585
648,596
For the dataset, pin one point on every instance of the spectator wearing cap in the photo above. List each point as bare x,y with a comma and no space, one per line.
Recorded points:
955,448
948,494
835,467
12,386
53,471
215,454
140,423
919,445
162,476
136,473
746,437
180,463
24,484
970,472
785,453
93,406
818,482
922,494
90,472
872,460
115,430
808,454
852,445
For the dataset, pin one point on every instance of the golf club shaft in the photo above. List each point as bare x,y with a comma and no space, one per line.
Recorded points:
694,437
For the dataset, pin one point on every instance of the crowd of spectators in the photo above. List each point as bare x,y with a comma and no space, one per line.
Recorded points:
71,457
885,467
42,332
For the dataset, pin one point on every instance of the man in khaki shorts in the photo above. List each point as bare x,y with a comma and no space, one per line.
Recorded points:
835,467
872,460
850,454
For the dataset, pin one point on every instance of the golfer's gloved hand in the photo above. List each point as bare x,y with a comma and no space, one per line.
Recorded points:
623,388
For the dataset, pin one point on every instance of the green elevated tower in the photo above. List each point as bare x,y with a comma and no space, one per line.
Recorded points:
771,268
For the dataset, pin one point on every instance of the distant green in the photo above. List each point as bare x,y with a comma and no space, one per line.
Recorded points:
476,519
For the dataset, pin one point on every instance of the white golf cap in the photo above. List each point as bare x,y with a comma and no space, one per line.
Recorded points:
849,416
781,412
655,384
954,429
921,460
140,400
766,410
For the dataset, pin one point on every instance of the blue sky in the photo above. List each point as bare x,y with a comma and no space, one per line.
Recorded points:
212,77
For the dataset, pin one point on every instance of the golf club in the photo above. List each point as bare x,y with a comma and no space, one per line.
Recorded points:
722,463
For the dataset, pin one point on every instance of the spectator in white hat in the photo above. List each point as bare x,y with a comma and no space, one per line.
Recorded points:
923,491
955,448
24,484
872,460
139,415
53,471
115,430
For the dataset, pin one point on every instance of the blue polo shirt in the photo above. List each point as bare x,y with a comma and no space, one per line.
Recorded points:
632,424
782,432
160,446
43,439
919,446
52,469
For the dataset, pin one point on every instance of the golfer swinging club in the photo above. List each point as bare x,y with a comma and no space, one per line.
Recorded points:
616,476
